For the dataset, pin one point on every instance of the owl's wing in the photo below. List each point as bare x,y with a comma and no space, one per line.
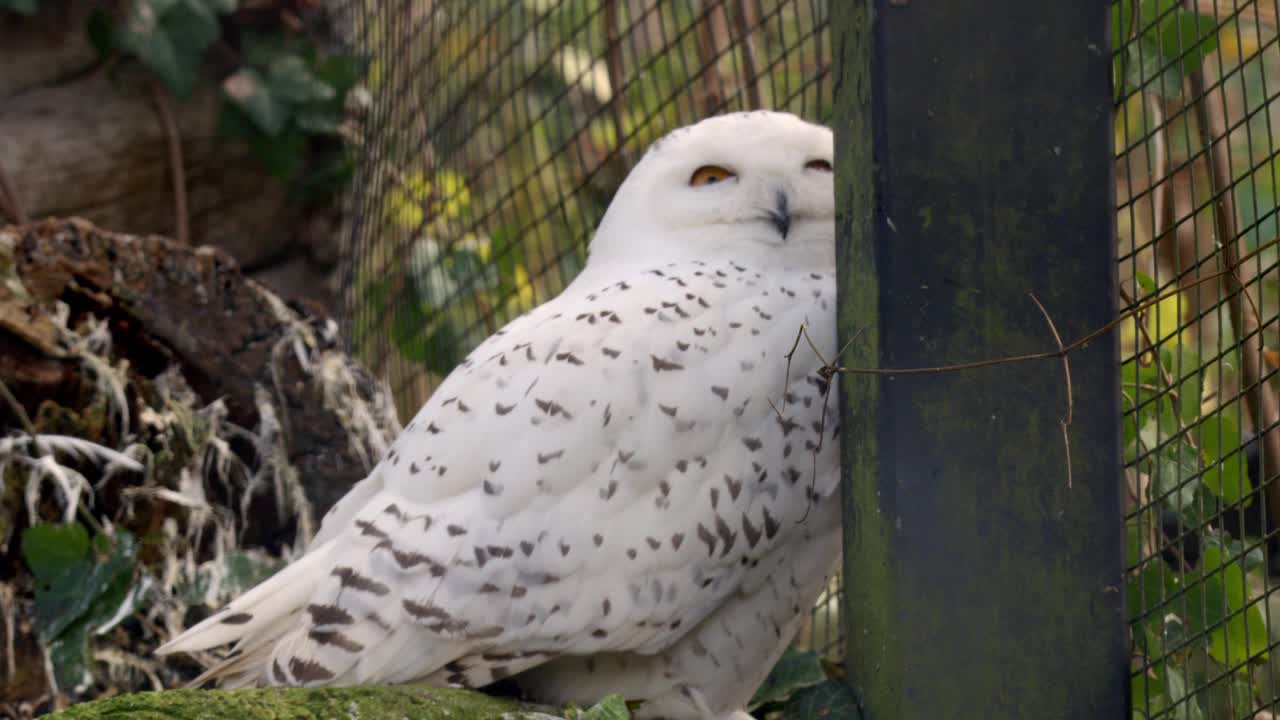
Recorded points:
597,476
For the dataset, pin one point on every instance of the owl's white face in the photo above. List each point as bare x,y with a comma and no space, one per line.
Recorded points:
751,185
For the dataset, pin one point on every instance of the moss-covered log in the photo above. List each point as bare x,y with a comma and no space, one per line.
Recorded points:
362,703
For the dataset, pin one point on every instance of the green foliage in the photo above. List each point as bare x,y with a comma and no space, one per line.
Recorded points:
612,707
80,586
284,94
170,37
1193,621
798,688
795,671
22,7
832,700
1168,42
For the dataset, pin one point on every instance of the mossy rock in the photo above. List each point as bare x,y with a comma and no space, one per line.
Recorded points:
348,703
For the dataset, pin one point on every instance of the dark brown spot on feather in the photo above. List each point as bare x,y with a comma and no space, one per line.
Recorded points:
750,531
676,540
335,638
456,530
735,486
568,357
753,444
660,365
543,459
309,671
503,409
237,618
348,577
329,615
721,392
771,525
425,611
727,535
707,537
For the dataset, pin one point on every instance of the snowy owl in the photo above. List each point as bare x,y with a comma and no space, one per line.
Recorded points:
629,489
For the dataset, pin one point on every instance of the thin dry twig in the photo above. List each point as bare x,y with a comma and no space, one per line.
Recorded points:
1066,368
182,220
19,411
1065,350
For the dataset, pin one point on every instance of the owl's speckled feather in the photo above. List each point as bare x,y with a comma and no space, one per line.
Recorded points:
623,490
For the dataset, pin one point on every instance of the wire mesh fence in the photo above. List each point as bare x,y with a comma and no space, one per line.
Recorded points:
498,131
1196,195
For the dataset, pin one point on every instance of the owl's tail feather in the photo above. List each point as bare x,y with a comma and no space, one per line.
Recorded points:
256,620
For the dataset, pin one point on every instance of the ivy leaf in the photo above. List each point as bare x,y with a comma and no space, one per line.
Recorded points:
293,82
1226,474
794,671
51,550
79,585
832,700
248,90
1186,37
171,36
1146,282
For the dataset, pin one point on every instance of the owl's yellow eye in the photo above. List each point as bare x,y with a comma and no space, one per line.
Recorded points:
709,175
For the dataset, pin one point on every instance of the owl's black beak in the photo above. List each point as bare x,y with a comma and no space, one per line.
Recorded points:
780,216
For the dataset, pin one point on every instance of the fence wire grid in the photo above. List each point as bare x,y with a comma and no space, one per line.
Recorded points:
498,131
1196,176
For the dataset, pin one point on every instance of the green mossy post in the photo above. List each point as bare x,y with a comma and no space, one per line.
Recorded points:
983,569
352,703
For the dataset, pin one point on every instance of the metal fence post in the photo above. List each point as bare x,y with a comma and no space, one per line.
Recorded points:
983,562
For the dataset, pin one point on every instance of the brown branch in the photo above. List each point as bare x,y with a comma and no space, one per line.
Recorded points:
182,220
710,44
9,201
1261,403
613,61
746,42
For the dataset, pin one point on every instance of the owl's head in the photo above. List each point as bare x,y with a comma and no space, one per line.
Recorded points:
754,186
